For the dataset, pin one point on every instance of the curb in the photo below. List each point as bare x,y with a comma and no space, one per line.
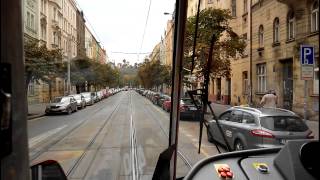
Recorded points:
35,116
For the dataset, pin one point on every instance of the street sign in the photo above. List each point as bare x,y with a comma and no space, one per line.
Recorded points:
306,55
307,72
307,62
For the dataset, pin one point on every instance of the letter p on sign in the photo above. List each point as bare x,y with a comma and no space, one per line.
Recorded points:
306,55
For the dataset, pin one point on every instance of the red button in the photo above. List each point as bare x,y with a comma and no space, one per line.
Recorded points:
229,174
223,174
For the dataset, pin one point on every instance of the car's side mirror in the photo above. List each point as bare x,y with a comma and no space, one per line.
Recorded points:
47,170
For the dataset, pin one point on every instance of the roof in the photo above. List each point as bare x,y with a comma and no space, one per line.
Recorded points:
266,111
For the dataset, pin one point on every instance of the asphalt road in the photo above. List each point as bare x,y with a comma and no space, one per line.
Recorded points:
118,138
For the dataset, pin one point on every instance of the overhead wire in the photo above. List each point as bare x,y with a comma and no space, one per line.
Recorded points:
145,27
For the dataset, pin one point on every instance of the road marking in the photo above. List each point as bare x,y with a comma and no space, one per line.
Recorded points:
35,140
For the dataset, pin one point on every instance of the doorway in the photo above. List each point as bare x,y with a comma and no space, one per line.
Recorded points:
287,82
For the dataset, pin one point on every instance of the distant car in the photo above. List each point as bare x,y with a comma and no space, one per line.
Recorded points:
94,96
88,98
64,104
99,95
81,102
167,105
188,110
161,99
249,128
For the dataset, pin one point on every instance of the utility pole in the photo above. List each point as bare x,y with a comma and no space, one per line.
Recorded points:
250,56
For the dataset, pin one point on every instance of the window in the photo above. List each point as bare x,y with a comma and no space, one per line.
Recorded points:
245,82
248,118
43,31
276,30
262,79
54,38
315,17
236,116
225,116
233,8
28,20
31,88
245,6
316,77
290,25
32,25
260,33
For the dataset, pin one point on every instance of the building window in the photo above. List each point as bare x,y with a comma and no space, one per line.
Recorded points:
233,8
245,6
260,33
315,17
43,31
28,20
262,77
245,83
276,30
316,77
32,22
31,88
54,38
290,25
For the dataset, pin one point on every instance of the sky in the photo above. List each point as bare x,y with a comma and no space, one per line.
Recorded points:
119,25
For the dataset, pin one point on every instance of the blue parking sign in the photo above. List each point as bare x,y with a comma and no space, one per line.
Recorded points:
306,55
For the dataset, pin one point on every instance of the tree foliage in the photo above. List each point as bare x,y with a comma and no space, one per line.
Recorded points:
41,63
85,70
153,74
227,44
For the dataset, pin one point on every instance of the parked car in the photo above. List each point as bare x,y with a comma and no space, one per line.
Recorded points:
188,110
155,98
99,95
162,98
81,102
88,98
167,105
248,128
64,104
94,96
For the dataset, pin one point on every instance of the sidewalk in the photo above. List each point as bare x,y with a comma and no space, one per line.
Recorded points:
313,125
36,110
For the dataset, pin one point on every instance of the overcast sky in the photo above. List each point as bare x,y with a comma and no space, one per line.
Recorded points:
119,25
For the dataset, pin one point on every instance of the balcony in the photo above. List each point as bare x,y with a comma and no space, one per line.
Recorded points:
291,3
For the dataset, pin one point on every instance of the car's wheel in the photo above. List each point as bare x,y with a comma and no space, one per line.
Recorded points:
238,145
210,138
69,110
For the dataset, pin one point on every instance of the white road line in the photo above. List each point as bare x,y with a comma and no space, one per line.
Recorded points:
35,140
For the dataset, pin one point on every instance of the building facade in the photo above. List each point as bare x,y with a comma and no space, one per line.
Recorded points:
278,30
169,42
81,50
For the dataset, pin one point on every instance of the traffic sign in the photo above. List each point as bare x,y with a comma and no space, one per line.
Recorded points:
307,72
306,55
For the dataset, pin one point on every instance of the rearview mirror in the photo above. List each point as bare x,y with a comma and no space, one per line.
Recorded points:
47,170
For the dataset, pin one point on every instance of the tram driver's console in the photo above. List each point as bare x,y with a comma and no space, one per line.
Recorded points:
295,161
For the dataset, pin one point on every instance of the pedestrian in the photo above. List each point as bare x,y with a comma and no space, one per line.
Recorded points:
269,100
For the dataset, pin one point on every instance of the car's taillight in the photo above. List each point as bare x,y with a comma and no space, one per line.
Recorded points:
310,135
261,133
183,108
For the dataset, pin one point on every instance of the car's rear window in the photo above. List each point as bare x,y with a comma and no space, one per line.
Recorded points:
283,123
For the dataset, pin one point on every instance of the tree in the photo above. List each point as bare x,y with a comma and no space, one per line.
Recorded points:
42,64
215,35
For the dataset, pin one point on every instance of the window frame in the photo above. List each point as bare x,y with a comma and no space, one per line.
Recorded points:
234,8
261,36
262,78
314,11
290,25
276,30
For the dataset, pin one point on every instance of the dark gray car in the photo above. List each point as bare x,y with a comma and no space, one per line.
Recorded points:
249,128
62,105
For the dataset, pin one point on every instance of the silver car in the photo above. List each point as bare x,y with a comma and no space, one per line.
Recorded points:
88,98
249,128
62,105
81,102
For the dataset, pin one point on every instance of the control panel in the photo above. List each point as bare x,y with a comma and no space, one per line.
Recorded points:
294,161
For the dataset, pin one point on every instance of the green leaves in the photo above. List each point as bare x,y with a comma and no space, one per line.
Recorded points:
152,73
41,63
212,22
